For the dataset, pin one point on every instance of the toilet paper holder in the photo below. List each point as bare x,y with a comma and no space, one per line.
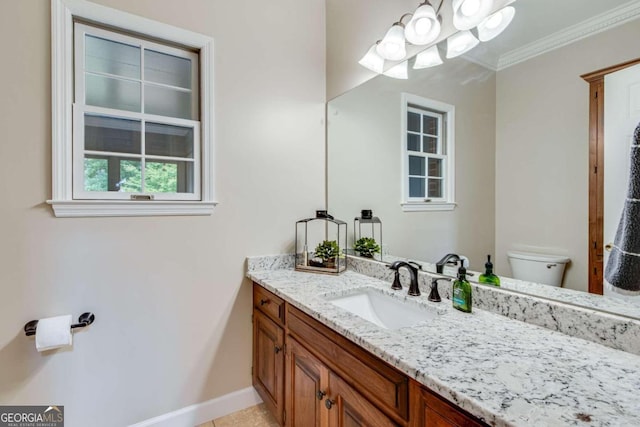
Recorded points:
85,319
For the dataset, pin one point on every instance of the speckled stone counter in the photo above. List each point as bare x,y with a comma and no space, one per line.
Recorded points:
503,371
568,315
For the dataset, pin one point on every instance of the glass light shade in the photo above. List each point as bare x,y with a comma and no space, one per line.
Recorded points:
372,60
392,45
494,24
424,26
469,13
461,42
398,71
427,58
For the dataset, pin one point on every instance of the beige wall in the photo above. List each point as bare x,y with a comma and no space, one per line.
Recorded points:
172,304
365,155
542,147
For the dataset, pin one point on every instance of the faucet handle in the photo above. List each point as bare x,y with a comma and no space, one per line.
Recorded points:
434,295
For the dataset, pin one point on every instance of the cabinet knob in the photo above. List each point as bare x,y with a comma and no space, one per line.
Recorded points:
264,301
608,247
320,394
278,349
329,403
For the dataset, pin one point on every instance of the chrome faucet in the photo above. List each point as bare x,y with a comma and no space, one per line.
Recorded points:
414,290
448,259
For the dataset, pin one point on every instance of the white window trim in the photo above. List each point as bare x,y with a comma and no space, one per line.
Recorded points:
62,14
449,200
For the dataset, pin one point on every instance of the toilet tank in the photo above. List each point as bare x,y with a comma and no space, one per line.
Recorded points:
538,268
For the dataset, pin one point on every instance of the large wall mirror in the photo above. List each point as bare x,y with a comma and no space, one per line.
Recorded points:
516,175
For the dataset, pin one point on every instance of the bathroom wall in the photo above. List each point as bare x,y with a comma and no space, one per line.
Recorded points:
173,307
365,156
542,148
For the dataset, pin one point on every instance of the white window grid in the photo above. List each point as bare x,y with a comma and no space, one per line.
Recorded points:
441,154
80,109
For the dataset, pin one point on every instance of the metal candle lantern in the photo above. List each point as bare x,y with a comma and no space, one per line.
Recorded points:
366,217
320,244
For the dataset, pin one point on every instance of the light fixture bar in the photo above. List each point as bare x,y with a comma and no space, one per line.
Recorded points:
425,26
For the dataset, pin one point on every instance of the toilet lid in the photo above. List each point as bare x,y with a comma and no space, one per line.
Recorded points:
530,256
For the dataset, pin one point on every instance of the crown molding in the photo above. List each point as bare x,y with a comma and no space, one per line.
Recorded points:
613,18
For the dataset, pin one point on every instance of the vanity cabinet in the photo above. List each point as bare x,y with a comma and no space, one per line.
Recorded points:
317,396
348,408
268,350
322,379
305,389
429,409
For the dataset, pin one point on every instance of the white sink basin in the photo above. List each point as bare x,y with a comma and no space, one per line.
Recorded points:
382,309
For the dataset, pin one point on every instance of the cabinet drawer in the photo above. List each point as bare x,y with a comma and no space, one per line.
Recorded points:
268,303
380,383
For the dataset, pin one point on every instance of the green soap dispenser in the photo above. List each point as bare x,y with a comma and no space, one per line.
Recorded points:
462,292
488,278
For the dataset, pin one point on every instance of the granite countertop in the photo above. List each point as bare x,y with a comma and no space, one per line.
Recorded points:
503,371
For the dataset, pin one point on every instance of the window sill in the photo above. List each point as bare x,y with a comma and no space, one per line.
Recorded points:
427,206
104,208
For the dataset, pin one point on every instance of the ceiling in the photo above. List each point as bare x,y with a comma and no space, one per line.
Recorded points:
537,19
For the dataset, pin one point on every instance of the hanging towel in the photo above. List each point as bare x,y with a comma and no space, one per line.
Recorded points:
623,267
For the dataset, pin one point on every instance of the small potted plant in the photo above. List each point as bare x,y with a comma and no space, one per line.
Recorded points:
328,251
366,247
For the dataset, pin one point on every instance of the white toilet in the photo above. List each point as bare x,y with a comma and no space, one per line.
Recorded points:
538,268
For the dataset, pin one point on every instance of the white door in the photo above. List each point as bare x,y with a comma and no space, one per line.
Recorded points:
621,116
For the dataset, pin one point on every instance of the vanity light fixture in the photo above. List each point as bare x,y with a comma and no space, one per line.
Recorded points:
372,60
392,46
469,13
398,71
494,24
460,43
427,58
424,26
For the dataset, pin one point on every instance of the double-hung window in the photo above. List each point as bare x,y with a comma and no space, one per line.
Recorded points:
132,131
428,154
136,118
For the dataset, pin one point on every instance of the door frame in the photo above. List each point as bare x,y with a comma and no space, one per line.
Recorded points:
596,172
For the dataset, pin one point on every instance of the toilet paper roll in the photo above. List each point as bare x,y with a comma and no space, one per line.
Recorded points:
54,332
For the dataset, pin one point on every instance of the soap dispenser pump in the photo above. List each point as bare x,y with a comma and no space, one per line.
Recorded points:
461,297
488,278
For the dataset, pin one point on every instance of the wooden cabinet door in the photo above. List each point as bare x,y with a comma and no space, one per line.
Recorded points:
268,363
348,408
305,388
430,410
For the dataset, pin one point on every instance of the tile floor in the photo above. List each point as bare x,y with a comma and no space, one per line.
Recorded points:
256,416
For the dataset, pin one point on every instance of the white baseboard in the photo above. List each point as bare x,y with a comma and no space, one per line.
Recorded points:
200,413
